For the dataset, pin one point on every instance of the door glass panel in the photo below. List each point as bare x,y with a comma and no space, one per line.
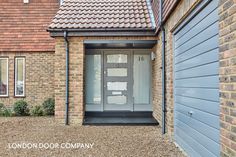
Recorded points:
141,79
117,86
118,72
117,100
116,93
93,79
117,58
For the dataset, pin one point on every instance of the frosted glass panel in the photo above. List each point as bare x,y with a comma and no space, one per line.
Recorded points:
117,58
3,76
117,100
117,86
141,79
93,79
118,72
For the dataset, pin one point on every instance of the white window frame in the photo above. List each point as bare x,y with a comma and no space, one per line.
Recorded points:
15,79
5,58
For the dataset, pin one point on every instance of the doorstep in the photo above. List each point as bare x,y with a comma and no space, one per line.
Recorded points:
119,118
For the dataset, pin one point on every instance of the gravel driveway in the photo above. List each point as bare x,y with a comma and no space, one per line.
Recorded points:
33,133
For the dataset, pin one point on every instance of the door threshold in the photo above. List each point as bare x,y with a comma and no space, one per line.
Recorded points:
119,114
119,118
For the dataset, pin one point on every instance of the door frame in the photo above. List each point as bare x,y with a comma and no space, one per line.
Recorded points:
135,107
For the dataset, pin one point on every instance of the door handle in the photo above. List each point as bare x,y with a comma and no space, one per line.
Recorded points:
190,113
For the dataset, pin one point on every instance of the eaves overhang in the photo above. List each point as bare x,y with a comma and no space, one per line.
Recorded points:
101,32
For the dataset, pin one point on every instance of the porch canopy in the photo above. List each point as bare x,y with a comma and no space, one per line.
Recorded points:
104,18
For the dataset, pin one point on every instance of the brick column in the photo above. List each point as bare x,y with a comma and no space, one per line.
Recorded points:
227,13
76,79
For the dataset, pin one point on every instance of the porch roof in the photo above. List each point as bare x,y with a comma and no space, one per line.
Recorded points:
103,15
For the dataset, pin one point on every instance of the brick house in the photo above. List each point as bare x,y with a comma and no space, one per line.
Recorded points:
115,60
26,50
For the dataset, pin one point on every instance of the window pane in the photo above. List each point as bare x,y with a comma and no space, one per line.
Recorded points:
119,72
19,77
117,86
3,77
141,79
117,58
117,100
93,79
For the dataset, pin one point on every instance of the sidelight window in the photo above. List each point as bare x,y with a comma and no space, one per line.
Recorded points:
93,79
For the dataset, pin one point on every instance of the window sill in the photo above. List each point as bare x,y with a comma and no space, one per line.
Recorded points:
19,96
4,96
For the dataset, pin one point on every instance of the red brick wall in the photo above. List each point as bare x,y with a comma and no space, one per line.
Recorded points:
23,26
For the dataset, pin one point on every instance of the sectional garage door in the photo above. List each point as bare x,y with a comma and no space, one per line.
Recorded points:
196,82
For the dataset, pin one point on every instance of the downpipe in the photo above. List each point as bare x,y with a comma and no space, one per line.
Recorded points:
163,83
67,78
163,68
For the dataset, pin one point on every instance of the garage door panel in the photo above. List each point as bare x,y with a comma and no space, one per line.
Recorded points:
204,117
202,128
202,139
193,143
183,144
203,105
199,93
196,81
206,34
205,58
198,18
204,70
201,82
200,49
205,23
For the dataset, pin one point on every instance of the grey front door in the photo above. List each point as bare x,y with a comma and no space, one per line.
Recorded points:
117,76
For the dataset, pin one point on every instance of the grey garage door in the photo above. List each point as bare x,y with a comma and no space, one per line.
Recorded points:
196,82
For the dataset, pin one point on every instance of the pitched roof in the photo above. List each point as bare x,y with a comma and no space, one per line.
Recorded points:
23,26
103,14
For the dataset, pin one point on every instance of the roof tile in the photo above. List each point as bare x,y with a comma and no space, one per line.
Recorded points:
97,14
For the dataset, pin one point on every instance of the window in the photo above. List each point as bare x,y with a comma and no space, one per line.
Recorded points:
3,76
93,79
141,79
19,76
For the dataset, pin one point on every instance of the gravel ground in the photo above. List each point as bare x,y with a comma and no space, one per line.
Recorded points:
108,141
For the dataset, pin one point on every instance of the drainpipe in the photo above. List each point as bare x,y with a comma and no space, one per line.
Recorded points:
67,78
163,68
